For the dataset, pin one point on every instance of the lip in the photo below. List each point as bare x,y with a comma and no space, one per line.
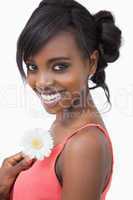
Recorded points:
51,103
49,92
39,93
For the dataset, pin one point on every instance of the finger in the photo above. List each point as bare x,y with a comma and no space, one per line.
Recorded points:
14,159
22,165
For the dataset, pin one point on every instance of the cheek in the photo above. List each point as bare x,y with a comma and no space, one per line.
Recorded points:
73,82
67,81
30,81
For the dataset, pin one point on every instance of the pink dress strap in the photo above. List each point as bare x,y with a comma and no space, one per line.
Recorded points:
105,132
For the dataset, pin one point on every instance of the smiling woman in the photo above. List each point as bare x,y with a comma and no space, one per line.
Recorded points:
90,33
62,47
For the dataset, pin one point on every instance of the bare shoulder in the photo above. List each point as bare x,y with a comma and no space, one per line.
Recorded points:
85,141
85,164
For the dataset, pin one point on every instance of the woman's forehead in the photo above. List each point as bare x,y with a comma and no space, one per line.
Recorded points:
61,45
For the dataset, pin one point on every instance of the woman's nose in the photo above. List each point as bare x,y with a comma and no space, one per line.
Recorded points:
44,82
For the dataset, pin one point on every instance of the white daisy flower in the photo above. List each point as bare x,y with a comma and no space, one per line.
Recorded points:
37,143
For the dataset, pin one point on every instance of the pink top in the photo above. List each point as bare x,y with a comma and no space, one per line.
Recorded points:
39,182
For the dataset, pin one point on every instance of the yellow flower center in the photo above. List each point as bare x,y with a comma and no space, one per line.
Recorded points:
36,143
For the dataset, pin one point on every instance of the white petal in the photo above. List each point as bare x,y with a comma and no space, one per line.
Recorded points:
44,137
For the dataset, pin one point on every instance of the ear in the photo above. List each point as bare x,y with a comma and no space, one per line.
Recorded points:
93,62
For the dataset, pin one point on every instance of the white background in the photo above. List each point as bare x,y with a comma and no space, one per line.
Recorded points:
20,109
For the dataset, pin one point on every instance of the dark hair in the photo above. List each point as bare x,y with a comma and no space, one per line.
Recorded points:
92,32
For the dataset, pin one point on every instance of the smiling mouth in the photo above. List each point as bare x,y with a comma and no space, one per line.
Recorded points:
50,100
51,97
48,94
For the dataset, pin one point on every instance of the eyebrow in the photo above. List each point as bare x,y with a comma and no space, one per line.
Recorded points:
53,59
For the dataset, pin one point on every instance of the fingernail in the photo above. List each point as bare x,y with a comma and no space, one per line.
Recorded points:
29,161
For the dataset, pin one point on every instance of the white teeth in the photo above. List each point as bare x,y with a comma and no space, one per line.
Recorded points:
50,97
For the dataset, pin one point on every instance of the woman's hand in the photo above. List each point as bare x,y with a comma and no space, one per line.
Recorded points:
9,170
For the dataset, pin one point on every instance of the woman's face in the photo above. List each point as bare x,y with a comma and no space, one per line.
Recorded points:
59,69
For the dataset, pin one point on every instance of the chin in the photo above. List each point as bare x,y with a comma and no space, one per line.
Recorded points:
56,108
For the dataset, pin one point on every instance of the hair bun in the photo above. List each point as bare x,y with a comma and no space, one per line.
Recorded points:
109,35
61,3
104,16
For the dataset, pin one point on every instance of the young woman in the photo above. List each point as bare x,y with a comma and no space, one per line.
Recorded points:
63,46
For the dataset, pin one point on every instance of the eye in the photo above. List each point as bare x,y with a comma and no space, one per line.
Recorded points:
60,66
31,67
